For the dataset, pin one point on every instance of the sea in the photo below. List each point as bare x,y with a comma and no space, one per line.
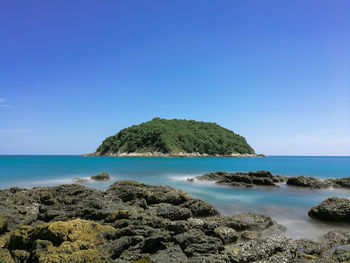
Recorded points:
287,205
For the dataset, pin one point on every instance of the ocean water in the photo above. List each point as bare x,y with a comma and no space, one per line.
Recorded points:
287,205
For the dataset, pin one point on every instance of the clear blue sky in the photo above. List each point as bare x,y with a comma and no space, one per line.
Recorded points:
75,72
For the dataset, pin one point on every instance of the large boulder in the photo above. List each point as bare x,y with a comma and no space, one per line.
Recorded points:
332,209
135,193
259,178
101,177
342,182
310,182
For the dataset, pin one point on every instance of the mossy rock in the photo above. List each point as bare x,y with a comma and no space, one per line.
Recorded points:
5,256
72,241
119,214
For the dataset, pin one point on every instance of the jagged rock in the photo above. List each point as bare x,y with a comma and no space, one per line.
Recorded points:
259,178
172,254
332,209
311,182
195,241
172,212
190,180
101,177
134,222
226,234
80,180
342,182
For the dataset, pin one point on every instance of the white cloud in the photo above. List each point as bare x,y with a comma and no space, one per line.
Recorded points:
2,105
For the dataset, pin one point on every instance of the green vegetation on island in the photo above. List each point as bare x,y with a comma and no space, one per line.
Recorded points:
175,136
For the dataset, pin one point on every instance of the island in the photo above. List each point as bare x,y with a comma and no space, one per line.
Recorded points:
177,138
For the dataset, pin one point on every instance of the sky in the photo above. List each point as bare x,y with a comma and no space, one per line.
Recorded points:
74,72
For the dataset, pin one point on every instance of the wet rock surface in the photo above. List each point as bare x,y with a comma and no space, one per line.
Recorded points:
332,209
265,178
310,182
135,222
100,177
259,178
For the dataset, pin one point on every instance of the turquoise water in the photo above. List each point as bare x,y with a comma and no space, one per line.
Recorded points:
287,205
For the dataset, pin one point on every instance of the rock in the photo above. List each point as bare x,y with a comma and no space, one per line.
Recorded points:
80,180
256,250
132,191
190,180
244,221
248,235
173,212
71,241
342,254
342,182
101,177
4,222
332,209
226,234
259,178
311,182
200,208
195,241
172,254
5,256
135,222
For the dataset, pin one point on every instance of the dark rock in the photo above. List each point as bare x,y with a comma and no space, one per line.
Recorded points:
172,254
332,209
310,182
173,212
134,222
200,208
4,222
195,241
259,178
190,180
101,177
245,221
342,182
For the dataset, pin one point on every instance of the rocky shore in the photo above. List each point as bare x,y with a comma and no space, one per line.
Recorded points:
135,222
265,178
160,154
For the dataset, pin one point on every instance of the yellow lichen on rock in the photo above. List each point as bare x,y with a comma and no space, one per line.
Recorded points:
119,214
78,229
72,241
5,256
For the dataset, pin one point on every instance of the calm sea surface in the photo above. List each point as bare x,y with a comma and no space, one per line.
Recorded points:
287,205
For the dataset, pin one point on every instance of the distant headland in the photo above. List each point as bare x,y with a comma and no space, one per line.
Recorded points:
175,138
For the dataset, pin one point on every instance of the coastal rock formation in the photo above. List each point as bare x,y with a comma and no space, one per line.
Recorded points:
135,222
265,178
332,209
262,178
178,138
310,182
101,177
341,182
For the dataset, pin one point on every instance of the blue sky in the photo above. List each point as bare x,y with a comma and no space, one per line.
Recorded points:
75,72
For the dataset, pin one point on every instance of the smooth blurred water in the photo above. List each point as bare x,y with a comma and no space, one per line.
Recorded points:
287,205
